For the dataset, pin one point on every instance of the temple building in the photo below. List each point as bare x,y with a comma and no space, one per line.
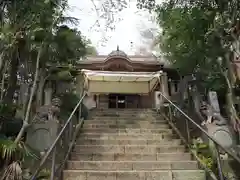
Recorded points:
121,81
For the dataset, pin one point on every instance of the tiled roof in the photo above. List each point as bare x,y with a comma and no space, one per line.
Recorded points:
145,59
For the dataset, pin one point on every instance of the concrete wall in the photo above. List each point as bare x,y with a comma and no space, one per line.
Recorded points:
147,101
102,101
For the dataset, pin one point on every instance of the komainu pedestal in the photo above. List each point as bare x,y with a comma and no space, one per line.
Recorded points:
41,135
45,126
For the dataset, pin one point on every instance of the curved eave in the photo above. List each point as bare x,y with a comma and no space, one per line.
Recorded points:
106,59
78,67
157,63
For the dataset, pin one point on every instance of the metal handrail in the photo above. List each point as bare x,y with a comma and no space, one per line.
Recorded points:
53,146
217,144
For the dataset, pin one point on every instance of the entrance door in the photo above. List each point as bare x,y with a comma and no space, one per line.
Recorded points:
112,101
121,101
116,101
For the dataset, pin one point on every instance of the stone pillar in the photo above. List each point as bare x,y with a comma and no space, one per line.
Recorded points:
172,88
163,88
79,90
164,84
80,85
178,86
97,100
48,94
89,102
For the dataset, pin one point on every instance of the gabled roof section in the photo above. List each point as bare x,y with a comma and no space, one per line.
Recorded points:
119,54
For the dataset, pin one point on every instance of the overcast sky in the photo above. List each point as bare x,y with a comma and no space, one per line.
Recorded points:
126,31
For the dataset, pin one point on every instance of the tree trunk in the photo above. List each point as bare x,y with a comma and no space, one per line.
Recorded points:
12,81
2,62
41,84
22,100
27,115
3,82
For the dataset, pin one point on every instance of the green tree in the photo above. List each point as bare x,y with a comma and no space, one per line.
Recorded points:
32,41
200,37
91,50
184,42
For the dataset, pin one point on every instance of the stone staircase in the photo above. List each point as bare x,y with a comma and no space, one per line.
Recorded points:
129,144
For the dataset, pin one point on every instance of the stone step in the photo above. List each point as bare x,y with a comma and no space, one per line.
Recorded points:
133,117
126,115
130,157
149,149
126,130
118,136
125,122
112,113
134,175
122,112
168,137
131,165
147,110
151,126
97,141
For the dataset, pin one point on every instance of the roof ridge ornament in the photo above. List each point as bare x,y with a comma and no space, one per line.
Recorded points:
118,53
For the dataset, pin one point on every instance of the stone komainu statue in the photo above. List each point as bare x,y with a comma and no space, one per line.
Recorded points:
48,112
